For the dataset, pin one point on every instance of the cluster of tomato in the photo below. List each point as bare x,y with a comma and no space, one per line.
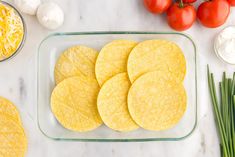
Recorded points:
182,14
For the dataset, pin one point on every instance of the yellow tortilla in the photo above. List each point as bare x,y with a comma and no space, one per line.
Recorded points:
73,102
76,61
13,142
9,109
156,101
161,55
112,103
112,59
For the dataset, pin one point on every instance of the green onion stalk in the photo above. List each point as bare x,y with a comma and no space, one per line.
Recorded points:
224,112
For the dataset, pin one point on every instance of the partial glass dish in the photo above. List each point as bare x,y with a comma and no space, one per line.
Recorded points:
24,31
53,45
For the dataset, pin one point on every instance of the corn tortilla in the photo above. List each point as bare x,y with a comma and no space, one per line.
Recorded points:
112,59
75,61
73,102
161,55
13,142
156,101
112,103
9,109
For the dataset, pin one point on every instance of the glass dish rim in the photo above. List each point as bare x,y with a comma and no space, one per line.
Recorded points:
24,35
121,33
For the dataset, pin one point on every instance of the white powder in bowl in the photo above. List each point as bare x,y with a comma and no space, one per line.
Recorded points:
225,45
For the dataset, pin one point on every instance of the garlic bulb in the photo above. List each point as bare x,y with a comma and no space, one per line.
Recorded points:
28,6
50,15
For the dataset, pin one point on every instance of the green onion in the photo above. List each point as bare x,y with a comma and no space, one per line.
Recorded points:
224,112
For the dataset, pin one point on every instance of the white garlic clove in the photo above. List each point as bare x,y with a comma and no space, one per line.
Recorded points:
27,6
50,15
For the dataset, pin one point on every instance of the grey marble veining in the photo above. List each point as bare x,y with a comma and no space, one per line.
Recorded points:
22,90
18,80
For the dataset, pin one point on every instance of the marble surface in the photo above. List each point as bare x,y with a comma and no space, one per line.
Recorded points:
18,80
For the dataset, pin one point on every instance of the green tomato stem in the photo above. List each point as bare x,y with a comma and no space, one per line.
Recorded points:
181,4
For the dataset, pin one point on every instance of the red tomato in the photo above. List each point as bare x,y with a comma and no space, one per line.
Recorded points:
157,6
232,2
181,18
213,13
189,1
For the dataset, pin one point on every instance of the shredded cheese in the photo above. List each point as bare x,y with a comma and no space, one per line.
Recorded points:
11,31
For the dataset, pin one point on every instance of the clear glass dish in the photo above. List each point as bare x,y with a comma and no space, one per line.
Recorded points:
53,45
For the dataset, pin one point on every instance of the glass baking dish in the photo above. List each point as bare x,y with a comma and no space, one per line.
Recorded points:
53,45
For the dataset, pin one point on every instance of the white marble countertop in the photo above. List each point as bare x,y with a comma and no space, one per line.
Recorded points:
18,80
